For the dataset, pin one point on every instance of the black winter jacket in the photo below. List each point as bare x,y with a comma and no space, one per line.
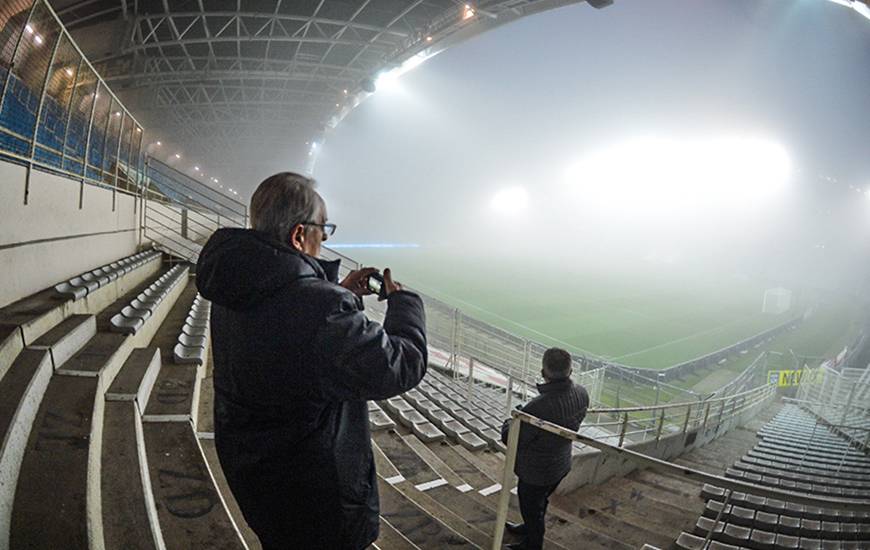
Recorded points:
295,360
544,458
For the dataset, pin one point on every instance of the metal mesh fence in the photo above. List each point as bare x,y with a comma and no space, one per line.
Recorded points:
48,116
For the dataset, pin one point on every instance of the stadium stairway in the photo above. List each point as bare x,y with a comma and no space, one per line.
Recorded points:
97,419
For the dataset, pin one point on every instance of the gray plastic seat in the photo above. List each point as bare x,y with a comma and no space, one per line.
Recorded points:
454,428
132,312
378,420
89,284
127,325
189,341
193,322
143,304
411,417
397,405
427,432
185,355
194,331
68,290
471,441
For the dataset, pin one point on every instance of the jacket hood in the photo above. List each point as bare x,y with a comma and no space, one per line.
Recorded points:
239,268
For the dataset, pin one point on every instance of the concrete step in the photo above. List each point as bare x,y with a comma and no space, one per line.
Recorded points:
173,398
67,338
129,513
561,529
21,392
190,509
390,539
210,453
136,378
414,523
54,471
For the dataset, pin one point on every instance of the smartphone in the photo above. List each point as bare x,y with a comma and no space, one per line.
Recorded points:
376,284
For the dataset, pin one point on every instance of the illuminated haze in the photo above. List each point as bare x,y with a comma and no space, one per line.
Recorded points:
648,139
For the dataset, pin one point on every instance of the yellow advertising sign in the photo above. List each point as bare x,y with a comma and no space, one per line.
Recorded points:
788,378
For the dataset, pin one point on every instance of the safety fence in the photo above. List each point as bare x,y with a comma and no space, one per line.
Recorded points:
56,113
180,213
841,399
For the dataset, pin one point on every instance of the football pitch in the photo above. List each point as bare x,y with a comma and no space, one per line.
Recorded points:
652,320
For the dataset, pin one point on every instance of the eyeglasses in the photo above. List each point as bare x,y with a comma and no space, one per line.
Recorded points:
327,228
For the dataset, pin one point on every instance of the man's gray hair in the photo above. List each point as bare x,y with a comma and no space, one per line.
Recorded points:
282,201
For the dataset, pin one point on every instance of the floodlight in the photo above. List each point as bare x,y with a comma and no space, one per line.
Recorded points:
28,29
117,113
511,200
159,143
468,13
428,39
38,39
177,156
387,80
196,168
68,71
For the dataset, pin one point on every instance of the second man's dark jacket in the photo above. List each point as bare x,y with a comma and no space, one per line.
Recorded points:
544,458
295,360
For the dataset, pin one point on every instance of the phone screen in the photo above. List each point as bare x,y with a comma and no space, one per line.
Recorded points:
375,285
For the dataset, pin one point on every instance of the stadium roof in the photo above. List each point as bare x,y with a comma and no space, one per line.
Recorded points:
224,73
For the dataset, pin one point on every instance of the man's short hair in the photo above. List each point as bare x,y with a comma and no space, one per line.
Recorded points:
557,363
282,201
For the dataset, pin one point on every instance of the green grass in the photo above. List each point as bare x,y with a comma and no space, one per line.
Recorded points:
649,320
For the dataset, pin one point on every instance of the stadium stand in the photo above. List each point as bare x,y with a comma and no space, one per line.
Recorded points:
106,417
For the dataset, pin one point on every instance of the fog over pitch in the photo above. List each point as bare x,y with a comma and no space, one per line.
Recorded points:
650,140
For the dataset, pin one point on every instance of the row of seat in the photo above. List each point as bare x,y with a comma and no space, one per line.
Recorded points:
786,524
81,285
803,462
410,417
194,334
133,316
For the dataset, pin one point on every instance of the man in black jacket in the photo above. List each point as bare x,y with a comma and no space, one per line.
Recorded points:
543,458
295,360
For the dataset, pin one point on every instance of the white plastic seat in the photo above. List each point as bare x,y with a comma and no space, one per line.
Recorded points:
67,289
188,355
189,341
127,325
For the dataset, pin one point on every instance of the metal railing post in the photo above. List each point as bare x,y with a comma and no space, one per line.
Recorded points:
527,349
688,414
470,380
661,425
706,415
454,341
623,428
510,395
506,482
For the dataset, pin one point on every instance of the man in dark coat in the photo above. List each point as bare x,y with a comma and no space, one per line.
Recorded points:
543,458
295,360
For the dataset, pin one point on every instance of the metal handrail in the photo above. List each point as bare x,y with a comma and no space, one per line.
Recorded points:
757,389
518,417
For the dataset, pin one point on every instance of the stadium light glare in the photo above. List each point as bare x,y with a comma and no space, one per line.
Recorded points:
666,175
177,156
68,71
159,143
468,13
511,200
389,80
28,29
196,168
38,39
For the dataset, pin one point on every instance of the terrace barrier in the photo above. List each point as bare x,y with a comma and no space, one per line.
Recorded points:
56,113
